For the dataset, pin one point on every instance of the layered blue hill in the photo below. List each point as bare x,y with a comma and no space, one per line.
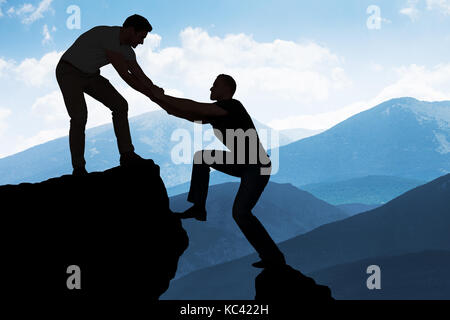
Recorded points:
284,210
419,275
355,208
416,221
366,190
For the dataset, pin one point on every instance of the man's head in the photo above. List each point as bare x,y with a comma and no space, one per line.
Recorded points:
136,28
223,88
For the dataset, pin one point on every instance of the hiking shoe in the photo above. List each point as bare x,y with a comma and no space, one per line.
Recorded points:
130,159
193,212
79,172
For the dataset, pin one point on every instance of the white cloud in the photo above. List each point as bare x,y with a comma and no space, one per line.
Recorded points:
411,9
38,73
420,82
26,8
412,12
10,11
43,136
5,66
441,5
4,113
50,108
29,14
267,73
316,121
275,78
376,67
51,111
340,79
1,3
429,84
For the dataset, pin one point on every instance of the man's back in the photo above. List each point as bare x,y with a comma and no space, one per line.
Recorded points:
88,52
241,129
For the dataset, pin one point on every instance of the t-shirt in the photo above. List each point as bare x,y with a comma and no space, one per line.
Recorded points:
242,138
88,52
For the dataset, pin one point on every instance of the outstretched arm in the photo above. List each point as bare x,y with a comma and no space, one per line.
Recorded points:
189,109
136,78
137,72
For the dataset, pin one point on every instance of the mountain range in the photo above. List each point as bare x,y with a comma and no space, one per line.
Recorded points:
414,222
155,136
401,138
283,209
369,190
418,275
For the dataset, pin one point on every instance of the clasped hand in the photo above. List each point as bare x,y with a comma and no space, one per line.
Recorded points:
155,92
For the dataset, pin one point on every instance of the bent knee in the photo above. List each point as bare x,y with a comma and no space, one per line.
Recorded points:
120,107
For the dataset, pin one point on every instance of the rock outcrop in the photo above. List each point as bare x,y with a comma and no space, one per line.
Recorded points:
110,232
285,285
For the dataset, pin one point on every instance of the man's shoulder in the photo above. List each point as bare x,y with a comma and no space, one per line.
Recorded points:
103,30
106,27
229,103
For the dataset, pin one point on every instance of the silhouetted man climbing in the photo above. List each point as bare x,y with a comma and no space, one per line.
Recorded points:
78,72
246,159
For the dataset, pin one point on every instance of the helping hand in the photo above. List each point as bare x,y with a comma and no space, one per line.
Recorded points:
156,91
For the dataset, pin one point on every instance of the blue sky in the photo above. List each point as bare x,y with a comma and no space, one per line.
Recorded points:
298,63
338,24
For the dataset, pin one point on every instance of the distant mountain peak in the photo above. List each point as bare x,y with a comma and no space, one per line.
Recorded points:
438,111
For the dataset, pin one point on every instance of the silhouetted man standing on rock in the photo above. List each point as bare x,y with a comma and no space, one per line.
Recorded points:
78,72
246,159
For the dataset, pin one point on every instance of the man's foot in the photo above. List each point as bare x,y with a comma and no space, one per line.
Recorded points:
130,159
193,212
79,172
269,264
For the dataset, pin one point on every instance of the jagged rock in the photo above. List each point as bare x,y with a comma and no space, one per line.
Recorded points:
115,225
289,286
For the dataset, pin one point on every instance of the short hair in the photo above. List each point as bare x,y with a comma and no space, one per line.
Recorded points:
229,81
139,23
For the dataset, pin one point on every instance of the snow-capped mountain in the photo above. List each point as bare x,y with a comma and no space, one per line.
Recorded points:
401,137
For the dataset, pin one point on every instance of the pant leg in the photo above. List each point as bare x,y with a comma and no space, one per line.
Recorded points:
102,90
251,187
198,191
71,85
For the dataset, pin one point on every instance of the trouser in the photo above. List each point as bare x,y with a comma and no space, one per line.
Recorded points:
73,84
250,189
